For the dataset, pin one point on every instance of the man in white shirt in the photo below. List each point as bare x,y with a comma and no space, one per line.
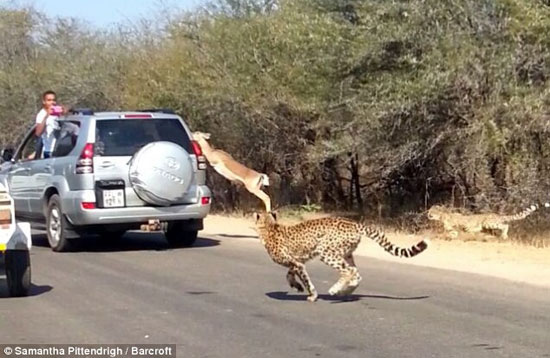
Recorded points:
46,123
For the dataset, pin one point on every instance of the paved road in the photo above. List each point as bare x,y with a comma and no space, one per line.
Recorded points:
225,298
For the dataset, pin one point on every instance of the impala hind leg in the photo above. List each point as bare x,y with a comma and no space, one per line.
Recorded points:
263,197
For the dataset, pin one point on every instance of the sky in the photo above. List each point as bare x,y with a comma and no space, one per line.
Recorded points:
102,13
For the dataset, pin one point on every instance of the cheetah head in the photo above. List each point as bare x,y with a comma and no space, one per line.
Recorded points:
264,219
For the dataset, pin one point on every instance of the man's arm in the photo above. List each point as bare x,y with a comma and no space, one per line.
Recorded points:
40,124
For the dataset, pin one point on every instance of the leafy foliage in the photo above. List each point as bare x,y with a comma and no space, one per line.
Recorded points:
386,106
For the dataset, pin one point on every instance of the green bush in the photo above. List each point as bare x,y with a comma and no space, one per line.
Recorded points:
386,106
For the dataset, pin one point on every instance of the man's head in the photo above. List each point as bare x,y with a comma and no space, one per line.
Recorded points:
48,99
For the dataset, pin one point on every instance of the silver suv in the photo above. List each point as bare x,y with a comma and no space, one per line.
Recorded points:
111,172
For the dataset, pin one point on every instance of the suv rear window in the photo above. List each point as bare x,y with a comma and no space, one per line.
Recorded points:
66,137
124,137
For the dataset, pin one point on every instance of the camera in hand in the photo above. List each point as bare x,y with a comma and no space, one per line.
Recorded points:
56,110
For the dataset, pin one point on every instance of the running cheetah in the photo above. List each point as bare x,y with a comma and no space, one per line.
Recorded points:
332,239
477,223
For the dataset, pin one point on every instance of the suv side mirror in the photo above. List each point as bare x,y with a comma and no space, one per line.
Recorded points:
7,154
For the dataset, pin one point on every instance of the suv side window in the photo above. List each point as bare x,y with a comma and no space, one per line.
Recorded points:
66,137
27,151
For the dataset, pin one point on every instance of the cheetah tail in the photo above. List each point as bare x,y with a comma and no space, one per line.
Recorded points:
524,213
380,238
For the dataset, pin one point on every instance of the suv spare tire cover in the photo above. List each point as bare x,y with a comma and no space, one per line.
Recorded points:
161,173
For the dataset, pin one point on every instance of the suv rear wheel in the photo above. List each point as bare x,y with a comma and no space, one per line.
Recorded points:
177,236
57,225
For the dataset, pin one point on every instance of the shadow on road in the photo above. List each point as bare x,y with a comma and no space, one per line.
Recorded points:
238,236
35,290
199,293
131,241
285,296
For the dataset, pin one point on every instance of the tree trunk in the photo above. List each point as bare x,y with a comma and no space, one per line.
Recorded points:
355,184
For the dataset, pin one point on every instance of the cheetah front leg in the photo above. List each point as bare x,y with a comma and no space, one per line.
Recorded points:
295,267
300,270
450,230
291,278
504,231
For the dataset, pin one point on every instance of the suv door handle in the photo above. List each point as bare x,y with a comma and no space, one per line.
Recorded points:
20,170
107,164
48,168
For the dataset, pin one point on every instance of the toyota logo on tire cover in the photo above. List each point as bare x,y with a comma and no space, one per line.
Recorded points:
172,163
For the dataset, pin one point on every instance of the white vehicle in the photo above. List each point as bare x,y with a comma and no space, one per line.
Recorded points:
15,246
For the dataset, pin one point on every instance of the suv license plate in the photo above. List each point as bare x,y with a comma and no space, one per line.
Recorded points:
113,198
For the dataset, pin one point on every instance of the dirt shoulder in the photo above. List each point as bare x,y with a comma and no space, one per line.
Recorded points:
505,260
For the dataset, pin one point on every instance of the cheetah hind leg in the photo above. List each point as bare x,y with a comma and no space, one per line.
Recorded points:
346,284
347,273
353,283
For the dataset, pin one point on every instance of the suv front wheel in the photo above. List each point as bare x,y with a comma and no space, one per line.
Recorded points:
18,272
177,236
57,225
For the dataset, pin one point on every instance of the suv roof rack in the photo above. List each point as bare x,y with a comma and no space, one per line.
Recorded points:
158,110
82,111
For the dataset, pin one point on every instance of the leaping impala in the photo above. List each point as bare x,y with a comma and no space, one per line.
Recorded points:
225,165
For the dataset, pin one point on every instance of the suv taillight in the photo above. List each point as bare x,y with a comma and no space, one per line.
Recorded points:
85,164
197,150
